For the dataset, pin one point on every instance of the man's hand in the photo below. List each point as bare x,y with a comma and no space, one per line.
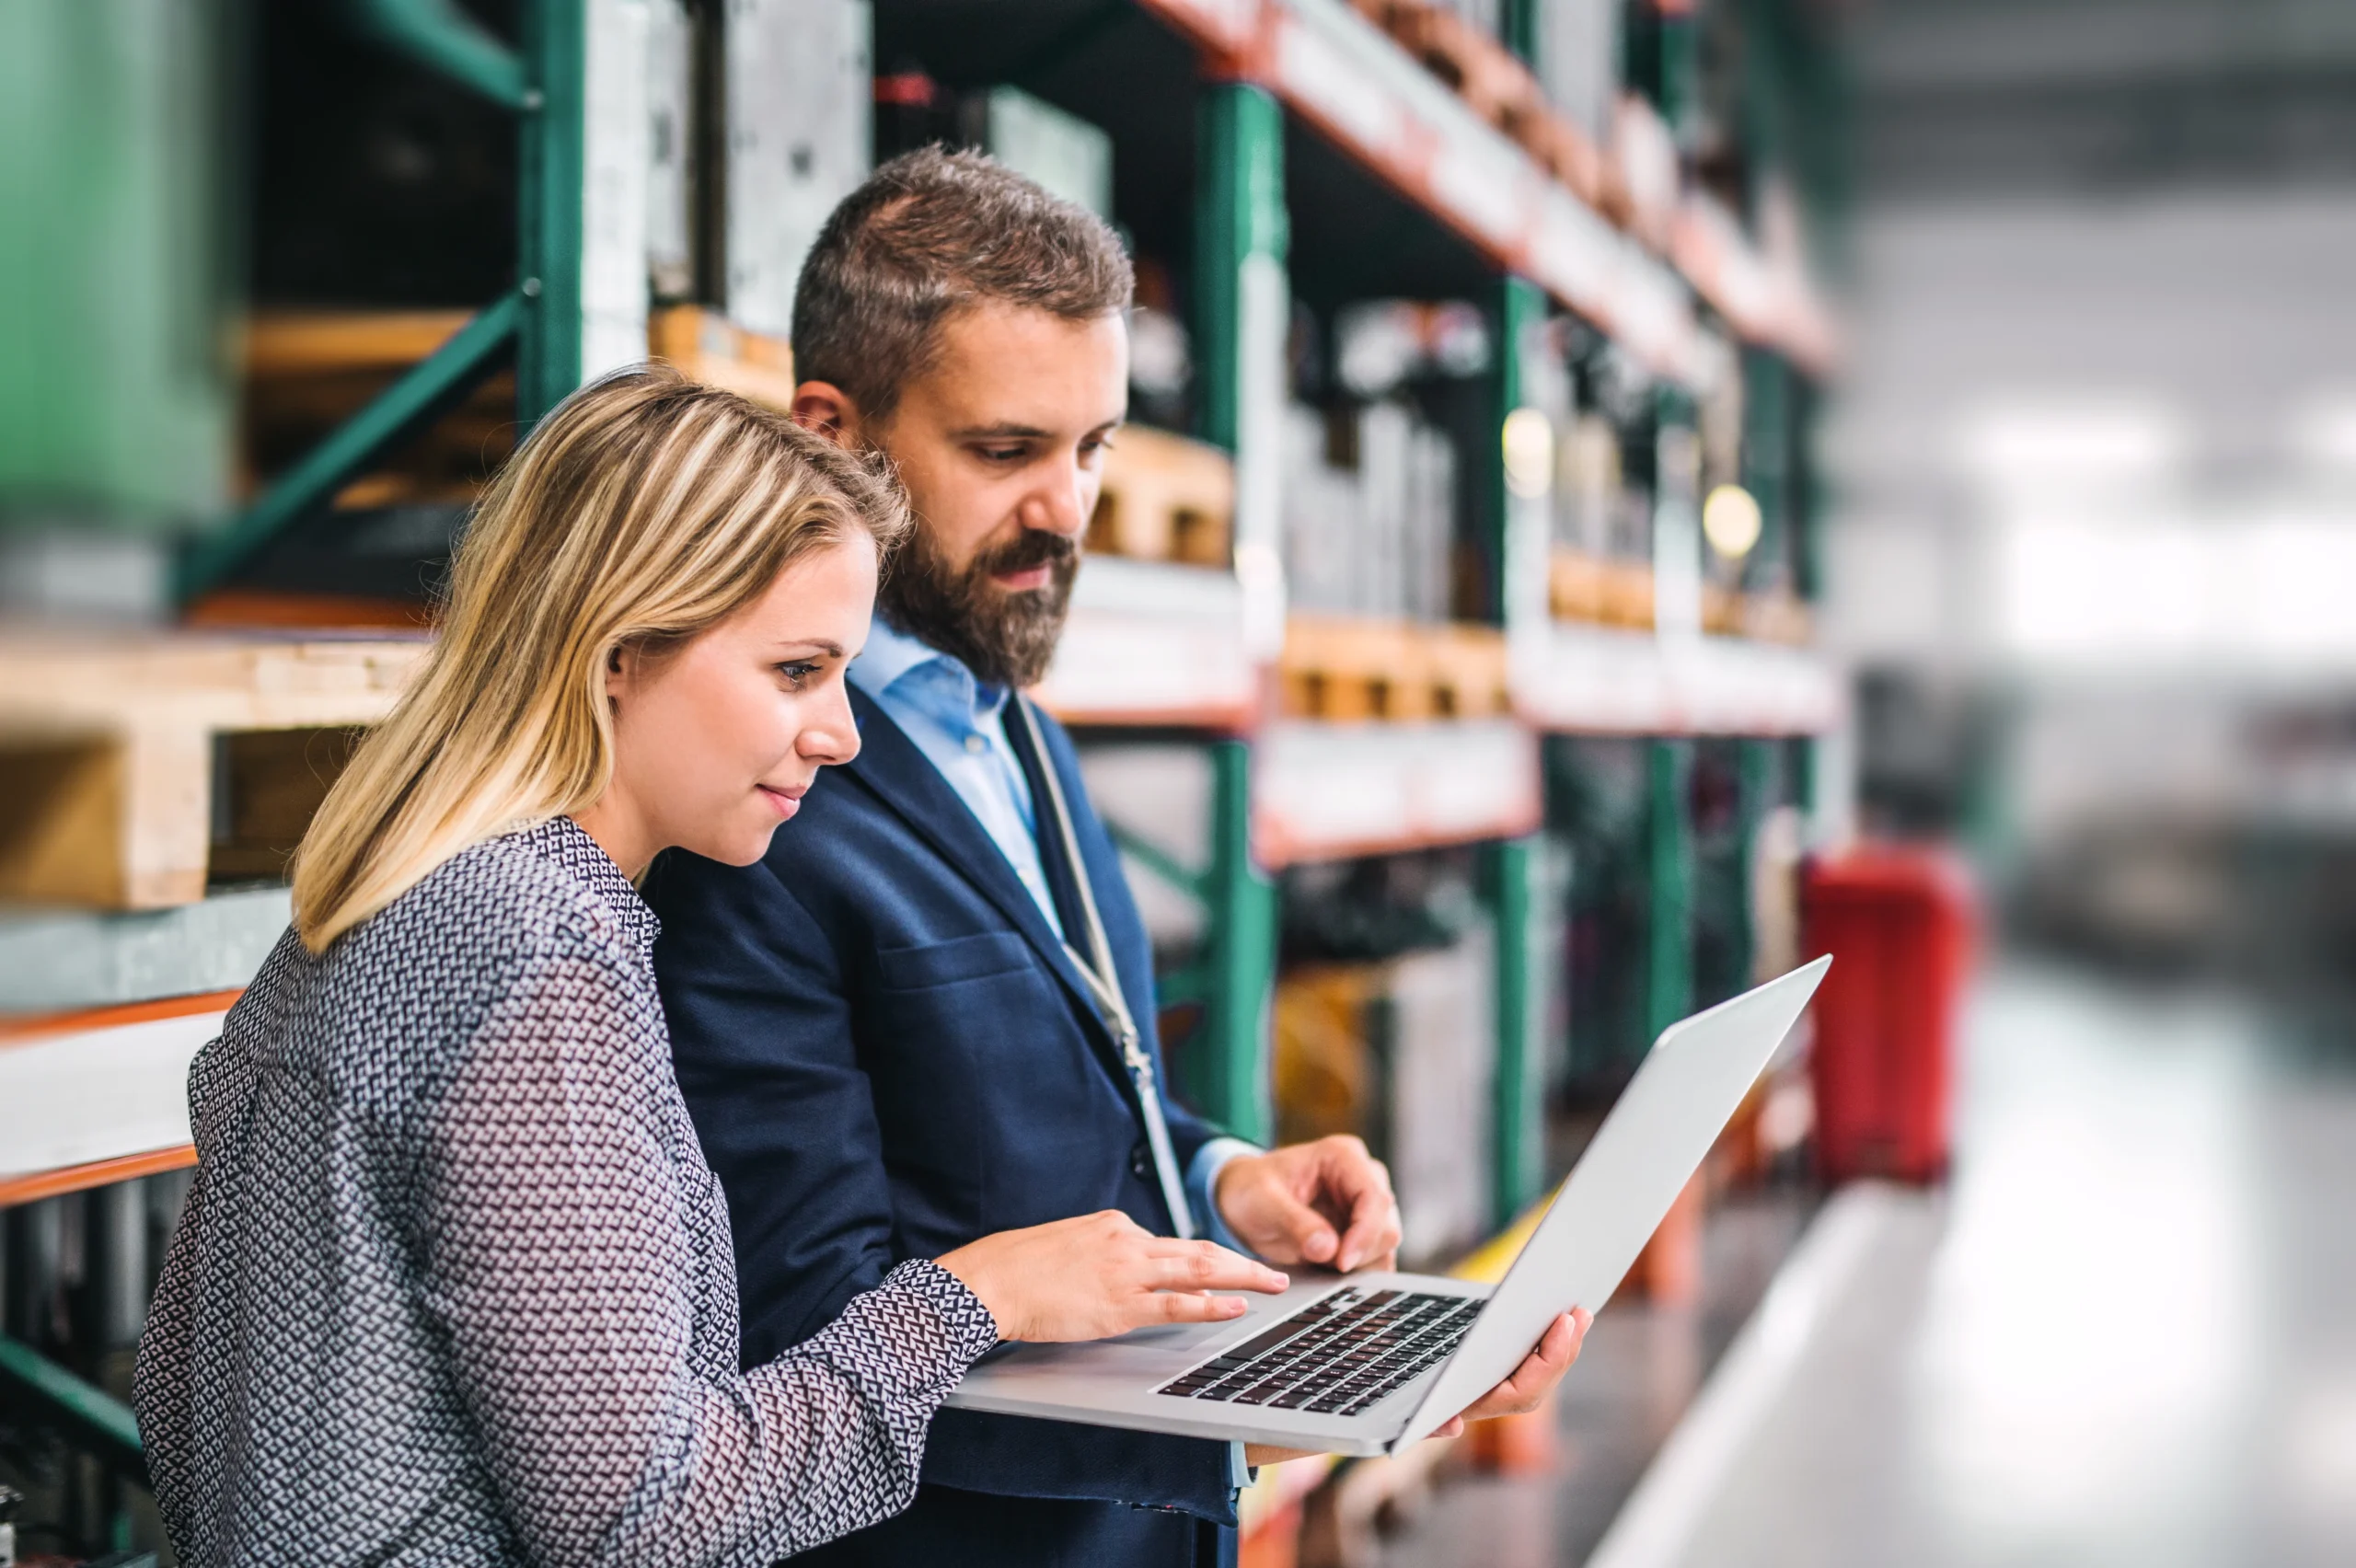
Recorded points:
1534,1378
1328,1202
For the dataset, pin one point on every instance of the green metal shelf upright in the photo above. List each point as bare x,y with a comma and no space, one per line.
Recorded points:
1240,242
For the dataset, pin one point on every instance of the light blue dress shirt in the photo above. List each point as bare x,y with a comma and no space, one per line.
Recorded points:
959,723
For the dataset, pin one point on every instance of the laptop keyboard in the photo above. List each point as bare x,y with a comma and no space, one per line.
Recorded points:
1337,1356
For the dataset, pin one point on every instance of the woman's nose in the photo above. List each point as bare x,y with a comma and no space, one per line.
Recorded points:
831,736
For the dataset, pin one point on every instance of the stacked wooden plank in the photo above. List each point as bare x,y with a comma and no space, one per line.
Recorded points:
1165,498
137,771
1504,91
1604,590
705,346
1349,669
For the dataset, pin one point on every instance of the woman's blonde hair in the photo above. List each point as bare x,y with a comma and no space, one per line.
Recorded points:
642,510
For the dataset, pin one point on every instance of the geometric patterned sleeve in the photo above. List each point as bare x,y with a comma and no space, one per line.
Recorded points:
556,1248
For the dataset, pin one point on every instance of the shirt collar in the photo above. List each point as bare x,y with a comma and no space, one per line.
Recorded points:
890,656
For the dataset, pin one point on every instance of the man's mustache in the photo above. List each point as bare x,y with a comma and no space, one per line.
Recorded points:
1033,547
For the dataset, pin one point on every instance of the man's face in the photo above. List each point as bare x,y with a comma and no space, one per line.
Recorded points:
1000,442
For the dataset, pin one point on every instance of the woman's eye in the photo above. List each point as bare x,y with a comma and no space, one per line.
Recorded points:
799,673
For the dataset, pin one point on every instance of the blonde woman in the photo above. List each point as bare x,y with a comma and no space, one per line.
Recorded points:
454,1284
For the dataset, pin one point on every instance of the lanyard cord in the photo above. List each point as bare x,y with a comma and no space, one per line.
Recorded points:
1104,983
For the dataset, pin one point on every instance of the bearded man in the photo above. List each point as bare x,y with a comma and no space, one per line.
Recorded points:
897,1033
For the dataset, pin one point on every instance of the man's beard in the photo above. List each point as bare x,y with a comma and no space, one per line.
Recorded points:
1005,638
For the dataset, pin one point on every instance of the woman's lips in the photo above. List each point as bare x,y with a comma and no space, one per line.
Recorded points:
784,801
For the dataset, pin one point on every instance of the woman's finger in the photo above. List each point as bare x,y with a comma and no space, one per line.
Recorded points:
1204,1266
1184,1307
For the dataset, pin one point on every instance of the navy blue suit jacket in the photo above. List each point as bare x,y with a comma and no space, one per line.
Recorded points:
888,1054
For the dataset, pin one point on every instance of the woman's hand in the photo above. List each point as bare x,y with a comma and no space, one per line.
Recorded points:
1102,1274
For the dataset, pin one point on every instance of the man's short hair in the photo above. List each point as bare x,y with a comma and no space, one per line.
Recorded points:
931,233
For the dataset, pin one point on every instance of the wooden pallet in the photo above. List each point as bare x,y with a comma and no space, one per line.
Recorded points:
308,371
138,769
1566,152
1780,617
705,346
1485,73
1582,587
1165,498
1351,669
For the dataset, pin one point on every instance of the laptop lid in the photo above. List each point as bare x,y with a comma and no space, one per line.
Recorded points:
1655,1138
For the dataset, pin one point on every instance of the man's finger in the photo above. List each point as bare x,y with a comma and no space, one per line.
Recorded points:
1539,1371
1310,1234
1374,1224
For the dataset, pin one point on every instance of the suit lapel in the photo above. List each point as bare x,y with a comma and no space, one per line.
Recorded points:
901,776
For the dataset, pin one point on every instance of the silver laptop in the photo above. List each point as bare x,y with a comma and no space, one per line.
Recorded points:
1370,1363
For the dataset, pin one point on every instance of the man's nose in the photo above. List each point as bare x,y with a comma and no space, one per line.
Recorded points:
1061,504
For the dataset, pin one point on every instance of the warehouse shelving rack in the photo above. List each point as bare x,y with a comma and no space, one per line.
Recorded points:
1262,69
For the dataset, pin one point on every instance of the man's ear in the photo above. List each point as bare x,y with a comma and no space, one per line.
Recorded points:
825,407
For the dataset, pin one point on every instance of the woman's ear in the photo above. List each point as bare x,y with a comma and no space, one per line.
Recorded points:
621,668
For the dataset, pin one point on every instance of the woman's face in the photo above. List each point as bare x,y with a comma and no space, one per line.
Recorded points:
715,743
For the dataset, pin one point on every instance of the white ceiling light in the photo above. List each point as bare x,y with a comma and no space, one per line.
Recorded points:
1730,521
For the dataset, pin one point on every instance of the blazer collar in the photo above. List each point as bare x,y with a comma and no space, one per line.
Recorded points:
905,778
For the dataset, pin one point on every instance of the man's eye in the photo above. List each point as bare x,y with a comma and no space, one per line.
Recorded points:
1004,453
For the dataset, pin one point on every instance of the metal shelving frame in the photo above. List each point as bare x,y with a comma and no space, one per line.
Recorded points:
1241,250
536,326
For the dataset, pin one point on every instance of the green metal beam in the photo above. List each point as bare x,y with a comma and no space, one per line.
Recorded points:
1181,987
90,1414
1519,1150
1240,225
1514,541
1755,778
1669,935
548,360
1517,28
418,398
1159,861
1767,464
1240,237
440,36
1228,1071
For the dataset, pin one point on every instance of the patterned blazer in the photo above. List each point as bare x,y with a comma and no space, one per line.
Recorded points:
453,1285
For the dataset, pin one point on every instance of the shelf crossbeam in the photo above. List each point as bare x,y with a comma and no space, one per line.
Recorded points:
1343,76
437,384
539,322
438,35
101,1422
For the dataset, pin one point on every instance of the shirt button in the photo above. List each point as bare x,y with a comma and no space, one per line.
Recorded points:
1140,1161
975,743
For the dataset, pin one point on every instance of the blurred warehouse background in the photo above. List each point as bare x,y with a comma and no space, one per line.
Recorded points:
1622,495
